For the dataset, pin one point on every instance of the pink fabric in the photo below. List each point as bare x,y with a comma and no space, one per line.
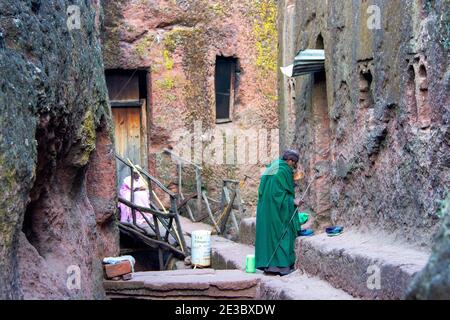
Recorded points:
141,198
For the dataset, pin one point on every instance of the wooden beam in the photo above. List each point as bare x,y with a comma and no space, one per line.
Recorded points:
210,212
147,210
149,176
186,200
126,103
223,222
178,225
151,242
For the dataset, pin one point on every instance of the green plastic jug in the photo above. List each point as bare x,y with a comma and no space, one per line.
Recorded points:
303,217
250,264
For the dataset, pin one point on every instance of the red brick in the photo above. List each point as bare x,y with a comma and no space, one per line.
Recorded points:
116,270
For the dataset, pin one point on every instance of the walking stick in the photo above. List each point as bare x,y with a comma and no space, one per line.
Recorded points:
290,221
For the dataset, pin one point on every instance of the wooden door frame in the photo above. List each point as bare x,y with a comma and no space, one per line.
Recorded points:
142,105
144,134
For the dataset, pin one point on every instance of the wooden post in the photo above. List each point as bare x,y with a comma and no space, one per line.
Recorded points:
223,199
205,198
198,178
178,225
166,237
239,201
150,190
227,198
158,236
133,211
241,212
180,183
229,208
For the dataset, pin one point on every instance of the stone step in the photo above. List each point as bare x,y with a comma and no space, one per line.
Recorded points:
353,261
227,254
185,284
297,286
349,262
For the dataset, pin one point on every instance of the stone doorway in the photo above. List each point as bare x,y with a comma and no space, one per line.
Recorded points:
129,100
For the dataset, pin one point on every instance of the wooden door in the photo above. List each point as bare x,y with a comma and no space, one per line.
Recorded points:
127,123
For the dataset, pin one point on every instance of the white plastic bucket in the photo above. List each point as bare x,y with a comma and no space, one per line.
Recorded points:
201,248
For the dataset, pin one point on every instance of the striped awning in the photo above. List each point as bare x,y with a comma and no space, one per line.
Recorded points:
306,62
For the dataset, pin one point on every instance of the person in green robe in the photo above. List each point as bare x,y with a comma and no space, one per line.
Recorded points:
276,205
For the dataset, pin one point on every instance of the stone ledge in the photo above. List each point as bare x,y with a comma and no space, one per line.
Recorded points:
298,287
247,231
344,260
227,254
200,283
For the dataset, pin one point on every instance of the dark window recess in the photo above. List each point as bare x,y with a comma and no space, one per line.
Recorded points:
126,86
225,85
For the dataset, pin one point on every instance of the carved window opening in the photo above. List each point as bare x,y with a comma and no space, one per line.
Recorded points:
226,78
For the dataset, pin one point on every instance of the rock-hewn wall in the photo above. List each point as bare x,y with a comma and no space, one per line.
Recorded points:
53,110
178,41
374,131
434,281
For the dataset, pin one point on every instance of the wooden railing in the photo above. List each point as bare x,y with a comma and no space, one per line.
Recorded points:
160,216
229,196
198,181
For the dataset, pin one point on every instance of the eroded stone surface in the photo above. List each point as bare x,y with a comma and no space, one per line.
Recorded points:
195,284
297,286
357,263
434,281
227,254
247,231
53,102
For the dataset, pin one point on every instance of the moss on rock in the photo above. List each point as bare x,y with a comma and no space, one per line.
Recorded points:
87,136
264,15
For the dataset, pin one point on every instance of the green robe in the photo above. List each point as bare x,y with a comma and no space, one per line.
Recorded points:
275,208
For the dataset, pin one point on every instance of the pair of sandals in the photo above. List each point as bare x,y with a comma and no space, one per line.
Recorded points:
331,231
305,232
334,231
